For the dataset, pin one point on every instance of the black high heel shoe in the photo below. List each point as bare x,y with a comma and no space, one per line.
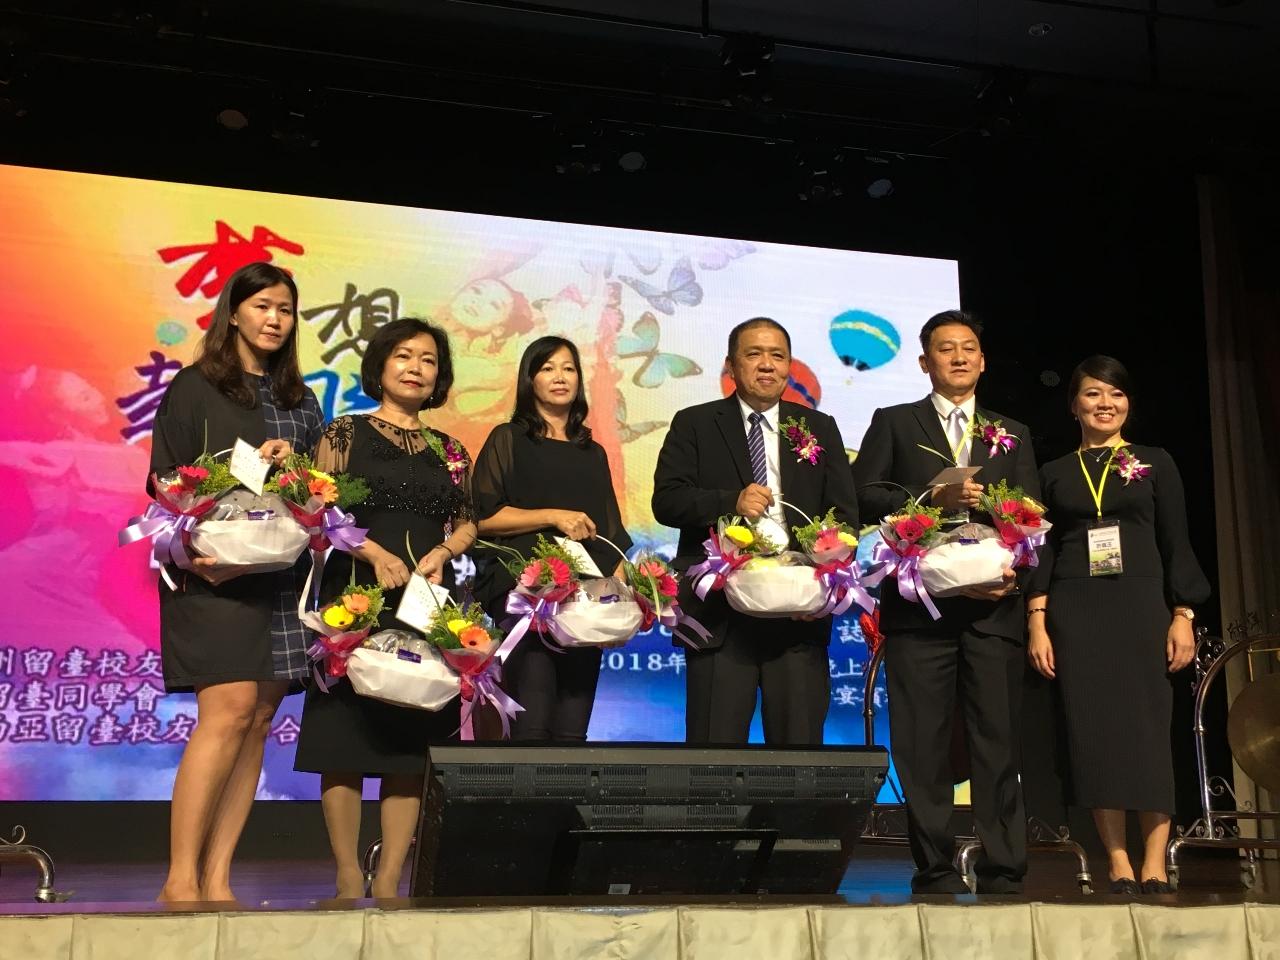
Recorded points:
1126,886
1152,885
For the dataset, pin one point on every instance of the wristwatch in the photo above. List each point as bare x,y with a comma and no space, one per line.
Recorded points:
1185,612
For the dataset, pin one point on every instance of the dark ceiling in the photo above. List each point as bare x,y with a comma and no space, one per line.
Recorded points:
913,77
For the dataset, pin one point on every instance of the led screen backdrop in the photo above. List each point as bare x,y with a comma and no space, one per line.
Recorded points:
105,284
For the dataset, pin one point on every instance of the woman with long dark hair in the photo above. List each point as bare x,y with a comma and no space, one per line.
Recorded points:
235,640
1110,616
542,473
418,508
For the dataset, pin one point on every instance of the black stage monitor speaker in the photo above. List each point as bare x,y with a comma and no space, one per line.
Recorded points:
511,820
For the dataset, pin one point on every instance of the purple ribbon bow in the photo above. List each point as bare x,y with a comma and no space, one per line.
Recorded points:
711,573
485,686
168,532
844,587
674,619
341,530
1024,550
906,567
531,612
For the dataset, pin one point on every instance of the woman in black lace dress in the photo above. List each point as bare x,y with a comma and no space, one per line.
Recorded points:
346,737
543,474
1112,618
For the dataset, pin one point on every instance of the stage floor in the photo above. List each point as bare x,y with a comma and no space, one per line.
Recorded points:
877,875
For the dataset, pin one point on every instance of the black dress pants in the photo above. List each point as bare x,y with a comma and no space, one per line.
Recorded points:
927,671
557,689
792,676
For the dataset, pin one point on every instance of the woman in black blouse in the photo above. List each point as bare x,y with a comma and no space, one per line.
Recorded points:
1112,621
417,506
235,640
543,474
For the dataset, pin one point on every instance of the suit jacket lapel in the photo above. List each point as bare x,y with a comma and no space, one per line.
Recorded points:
933,435
788,468
729,422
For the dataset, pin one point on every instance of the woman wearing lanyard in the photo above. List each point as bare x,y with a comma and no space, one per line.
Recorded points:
1109,616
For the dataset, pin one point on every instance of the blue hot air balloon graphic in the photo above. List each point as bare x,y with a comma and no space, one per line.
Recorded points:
863,340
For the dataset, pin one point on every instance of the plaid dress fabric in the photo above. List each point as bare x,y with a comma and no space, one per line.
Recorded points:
301,426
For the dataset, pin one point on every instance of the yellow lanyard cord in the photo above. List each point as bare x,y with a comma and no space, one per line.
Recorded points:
1102,484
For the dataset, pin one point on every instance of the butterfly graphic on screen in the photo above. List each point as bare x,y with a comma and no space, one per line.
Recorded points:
657,365
718,254
682,289
632,431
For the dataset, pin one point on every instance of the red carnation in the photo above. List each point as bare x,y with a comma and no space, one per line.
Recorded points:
910,529
192,476
926,522
667,586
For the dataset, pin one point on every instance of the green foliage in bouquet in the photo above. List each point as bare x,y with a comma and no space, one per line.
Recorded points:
463,627
299,480
807,536
554,561
357,608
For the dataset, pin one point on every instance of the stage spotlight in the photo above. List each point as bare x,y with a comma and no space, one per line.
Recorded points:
1050,378
1041,29
633,161
577,146
997,101
821,172
746,66
296,119
14,81
879,189
232,119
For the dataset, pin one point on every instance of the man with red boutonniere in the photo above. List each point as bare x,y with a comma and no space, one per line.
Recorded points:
758,466
964,664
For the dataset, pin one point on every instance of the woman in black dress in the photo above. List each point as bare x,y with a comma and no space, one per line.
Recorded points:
235,640
1111,623
415,496
543,474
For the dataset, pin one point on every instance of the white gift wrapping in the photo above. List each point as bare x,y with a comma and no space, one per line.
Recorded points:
775,591
589,623
428,685
254,546
948,568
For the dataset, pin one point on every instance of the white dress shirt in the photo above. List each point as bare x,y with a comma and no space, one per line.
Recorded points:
769,427
943,407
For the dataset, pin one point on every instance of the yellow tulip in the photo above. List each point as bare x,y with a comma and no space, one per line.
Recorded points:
848,539
457,626
338,616
740,536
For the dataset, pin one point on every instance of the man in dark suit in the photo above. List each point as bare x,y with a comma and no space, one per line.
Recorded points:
973,652
728,457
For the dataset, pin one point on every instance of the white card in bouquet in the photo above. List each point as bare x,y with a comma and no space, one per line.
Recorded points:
579,553
248,467
950,475
420,602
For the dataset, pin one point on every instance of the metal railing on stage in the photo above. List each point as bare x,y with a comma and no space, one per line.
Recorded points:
17,850
1220,828
887,824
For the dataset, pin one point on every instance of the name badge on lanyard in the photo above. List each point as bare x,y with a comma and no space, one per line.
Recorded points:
1106,557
